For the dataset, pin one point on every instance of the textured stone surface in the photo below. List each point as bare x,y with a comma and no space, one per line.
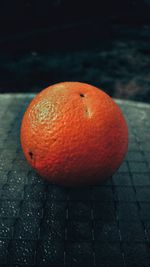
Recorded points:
46,225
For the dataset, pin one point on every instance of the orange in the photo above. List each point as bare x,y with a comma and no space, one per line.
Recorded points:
73,133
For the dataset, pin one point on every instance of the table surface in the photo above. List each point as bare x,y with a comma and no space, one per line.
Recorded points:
46,225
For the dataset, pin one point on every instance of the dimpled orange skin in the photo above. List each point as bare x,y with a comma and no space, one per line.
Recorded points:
73,133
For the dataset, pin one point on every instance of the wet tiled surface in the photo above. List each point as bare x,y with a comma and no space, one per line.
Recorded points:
46,225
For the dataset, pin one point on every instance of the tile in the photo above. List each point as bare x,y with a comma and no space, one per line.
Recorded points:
135,156
122,179
55,210
4,243
35,192
145,146
102,194
31,209
9,208
141,179
133,146
125,194
6,232
51,229
80,194
138,167
104,212
27,229
143,194
34,178
132,231
136,254
79,231
79,254
145,211
50,252
106,232
56,192
108,254
79,211
12,192
18,178
3,177
22,252
147,229
127,212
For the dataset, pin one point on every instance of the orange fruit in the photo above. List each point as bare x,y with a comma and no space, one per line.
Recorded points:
73,133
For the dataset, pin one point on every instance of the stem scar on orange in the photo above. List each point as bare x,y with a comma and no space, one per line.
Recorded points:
73,133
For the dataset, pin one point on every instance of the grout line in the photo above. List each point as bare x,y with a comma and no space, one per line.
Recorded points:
92,229
66,223
138,205
117,222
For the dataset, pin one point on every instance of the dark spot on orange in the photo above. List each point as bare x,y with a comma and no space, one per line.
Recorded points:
31,154
82,95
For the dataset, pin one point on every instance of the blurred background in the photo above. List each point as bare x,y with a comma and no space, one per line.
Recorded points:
105,43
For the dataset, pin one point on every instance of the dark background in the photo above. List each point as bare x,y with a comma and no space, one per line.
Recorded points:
105,43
